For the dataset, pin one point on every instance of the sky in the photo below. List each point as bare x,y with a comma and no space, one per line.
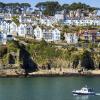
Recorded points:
94,3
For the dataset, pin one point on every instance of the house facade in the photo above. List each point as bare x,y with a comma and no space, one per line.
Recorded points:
59,16
82,22
13,29
56,34
52,35
22,31
38,34
29,29
25,19
4,27
3,39
90,35
71,38
47,35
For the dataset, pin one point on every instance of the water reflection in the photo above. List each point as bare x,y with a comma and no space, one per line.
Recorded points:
84,97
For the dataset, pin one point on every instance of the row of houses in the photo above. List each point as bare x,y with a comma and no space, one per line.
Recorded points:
79,13
8,28
54,35
24,30
50,20
77,18
58,18
82,22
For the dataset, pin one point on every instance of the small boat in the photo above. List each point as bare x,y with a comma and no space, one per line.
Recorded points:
84,91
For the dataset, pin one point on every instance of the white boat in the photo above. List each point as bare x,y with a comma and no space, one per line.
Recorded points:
84,91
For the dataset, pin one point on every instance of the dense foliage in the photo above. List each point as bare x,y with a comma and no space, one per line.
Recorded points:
15,20
50,7
75,6
87,60
40,54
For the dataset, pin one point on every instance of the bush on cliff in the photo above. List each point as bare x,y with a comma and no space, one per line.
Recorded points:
87,61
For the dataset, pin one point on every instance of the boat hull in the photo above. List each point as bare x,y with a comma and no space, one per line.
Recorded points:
80,93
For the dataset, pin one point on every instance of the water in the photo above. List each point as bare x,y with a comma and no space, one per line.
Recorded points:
42,88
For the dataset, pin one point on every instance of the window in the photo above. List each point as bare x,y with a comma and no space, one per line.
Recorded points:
38,33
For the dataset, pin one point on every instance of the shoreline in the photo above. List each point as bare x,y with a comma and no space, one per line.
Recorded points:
51,73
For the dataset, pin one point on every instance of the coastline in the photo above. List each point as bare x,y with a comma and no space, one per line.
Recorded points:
48,73
65,72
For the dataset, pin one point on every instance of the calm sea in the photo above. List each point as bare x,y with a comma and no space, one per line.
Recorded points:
44,88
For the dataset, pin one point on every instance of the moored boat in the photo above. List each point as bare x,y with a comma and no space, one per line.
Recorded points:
84,91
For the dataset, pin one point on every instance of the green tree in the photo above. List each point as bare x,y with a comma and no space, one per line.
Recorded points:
49,7
75,59
75,6
15,20
65,6
62,37
25,6
87,61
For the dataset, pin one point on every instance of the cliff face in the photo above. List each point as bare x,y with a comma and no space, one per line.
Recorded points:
27,62
14,59
19,58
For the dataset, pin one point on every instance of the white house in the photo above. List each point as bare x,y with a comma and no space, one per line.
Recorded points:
25,19
8,16
47,35
59,15
29,29
22,31
48,20
90,35
56,35
51,35
98,34
38,33
3,38
4,27
13,28
71,38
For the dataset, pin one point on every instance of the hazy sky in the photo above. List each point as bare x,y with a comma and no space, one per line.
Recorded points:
95,3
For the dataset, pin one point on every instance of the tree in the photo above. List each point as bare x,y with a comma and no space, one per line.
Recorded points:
62,36
43,43
3,51
49,7
75,6
15,20
67,29
87,61
40,6
65,6
25,5
2,5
